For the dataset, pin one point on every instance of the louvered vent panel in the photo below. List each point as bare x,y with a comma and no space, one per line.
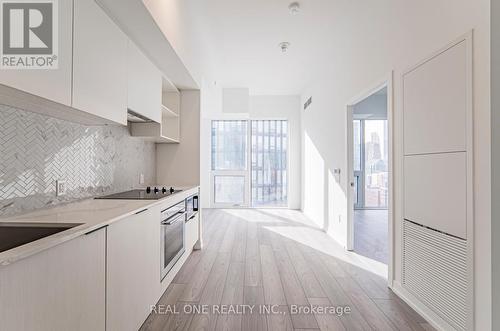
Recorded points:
435,271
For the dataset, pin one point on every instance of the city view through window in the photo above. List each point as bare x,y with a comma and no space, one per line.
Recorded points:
371,163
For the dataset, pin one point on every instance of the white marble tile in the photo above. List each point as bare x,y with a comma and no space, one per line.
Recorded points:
37,150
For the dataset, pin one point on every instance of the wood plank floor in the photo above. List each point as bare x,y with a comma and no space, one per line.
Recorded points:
277,258
370,234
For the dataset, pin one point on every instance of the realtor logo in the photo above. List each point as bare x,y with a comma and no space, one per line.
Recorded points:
29,34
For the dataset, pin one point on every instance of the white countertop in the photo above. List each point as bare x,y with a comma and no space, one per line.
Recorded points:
92,213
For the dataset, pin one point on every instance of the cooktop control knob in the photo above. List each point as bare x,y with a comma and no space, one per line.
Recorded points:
172,190
156,190
148,189
164,190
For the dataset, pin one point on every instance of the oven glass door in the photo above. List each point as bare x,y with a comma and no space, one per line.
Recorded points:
172,242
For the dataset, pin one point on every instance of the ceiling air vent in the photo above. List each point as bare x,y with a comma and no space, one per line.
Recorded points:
308,103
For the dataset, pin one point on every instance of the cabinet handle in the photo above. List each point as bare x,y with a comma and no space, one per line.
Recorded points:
195,203
92,231
141,211
172,222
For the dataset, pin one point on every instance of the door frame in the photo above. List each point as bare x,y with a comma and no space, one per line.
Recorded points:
361,180
385,81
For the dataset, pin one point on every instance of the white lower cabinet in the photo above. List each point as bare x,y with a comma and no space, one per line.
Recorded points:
133,270
62,288
107,279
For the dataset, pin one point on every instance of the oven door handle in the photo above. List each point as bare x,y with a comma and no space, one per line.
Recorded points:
175,220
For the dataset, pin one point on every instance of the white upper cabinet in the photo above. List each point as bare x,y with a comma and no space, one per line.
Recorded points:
435,103
144,84
99,63
100,73
51,84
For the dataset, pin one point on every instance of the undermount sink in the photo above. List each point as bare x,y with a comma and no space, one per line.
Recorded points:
13,235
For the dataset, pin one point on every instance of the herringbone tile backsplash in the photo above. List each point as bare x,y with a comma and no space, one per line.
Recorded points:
37,150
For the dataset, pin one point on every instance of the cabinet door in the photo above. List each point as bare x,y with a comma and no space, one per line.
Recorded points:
435,193
144,84
133,270
53,84
62,288
192,232
435,104
99,63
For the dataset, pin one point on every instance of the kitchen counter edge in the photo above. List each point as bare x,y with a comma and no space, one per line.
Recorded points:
108,207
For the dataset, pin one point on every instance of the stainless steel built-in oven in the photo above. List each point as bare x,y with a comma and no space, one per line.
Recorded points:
172,225
191,206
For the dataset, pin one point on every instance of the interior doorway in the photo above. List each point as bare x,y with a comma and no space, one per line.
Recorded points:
369,159
371,177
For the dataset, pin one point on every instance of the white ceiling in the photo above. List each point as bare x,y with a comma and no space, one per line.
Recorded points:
235,43
245,36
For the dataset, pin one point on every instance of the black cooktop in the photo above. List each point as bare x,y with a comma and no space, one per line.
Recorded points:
154,193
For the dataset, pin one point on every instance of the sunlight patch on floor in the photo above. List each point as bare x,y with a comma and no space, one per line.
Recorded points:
309,235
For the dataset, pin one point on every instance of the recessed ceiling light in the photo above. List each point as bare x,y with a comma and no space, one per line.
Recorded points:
284,46
294,8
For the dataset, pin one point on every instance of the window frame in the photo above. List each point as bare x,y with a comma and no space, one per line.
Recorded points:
247,173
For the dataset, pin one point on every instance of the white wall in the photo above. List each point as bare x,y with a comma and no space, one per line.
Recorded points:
211,107
495,164
260,107
178,165
235,100
385,36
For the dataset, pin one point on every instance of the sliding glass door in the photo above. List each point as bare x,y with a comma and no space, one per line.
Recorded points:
249,174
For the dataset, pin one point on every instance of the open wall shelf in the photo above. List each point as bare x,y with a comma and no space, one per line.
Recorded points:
168,130
167,112
170,114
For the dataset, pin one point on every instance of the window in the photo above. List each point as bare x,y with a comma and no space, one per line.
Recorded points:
357,145
229,145
269,163
229,189
262,182
376,164
370,163
229,163
358,161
